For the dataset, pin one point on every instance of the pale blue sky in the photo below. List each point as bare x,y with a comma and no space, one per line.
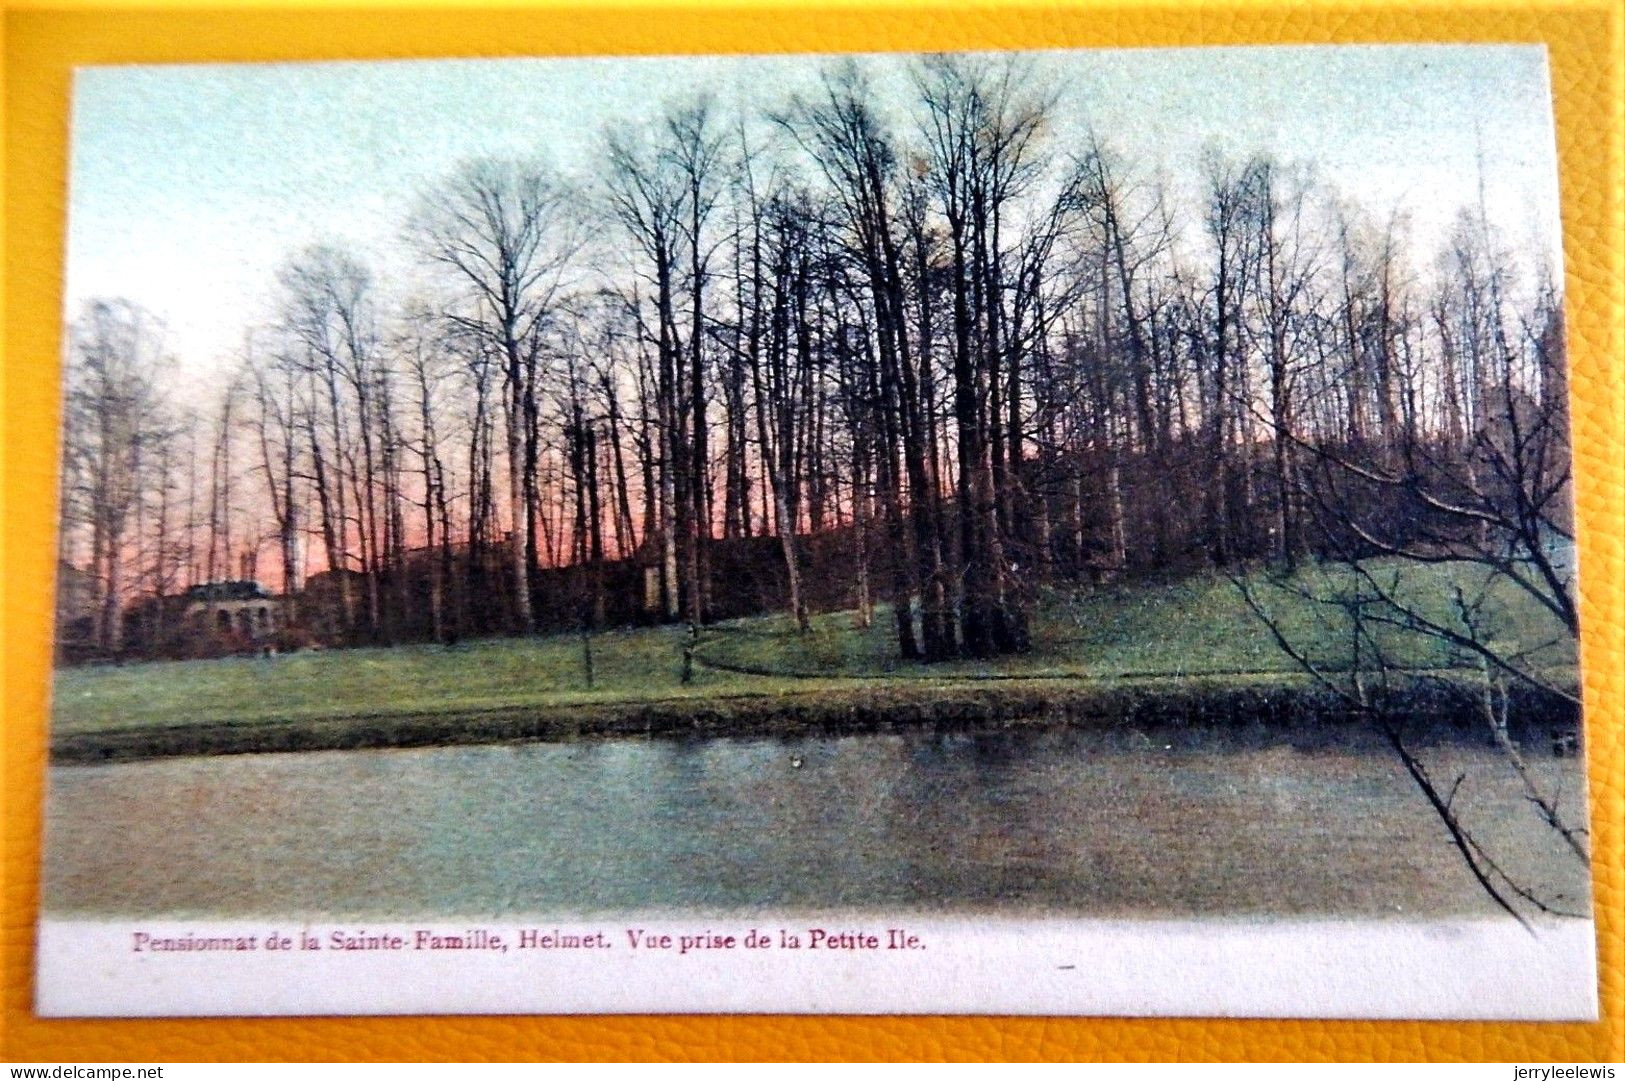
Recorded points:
191,185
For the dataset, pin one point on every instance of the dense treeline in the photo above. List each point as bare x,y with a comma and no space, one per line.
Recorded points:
990,357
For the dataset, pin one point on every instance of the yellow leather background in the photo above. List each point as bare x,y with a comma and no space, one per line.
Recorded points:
44,41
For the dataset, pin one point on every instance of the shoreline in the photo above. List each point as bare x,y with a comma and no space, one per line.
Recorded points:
1295,710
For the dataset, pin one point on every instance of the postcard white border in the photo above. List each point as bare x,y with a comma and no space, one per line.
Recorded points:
1462,969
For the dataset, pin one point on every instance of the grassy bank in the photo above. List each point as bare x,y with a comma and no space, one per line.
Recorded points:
1105,653
1272,709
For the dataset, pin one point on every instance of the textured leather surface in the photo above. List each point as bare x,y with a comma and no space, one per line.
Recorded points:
43,43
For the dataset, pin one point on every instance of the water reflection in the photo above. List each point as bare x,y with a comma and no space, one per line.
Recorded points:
1172,822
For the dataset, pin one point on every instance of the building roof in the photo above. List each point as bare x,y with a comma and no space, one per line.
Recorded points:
227,591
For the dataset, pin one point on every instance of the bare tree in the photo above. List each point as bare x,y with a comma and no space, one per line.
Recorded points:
644,194
276,383
502,232
984,125
114,433
430,366
842,130
1479,498
696,148
1284,322
326,315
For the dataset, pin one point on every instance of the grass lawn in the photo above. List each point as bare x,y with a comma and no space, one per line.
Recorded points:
1197,627
630,665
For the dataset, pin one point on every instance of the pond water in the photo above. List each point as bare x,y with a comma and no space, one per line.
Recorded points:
1042,818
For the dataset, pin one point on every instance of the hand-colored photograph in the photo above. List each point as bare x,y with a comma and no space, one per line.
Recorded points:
1051,533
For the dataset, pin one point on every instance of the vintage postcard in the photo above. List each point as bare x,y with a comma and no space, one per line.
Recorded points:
1009,533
